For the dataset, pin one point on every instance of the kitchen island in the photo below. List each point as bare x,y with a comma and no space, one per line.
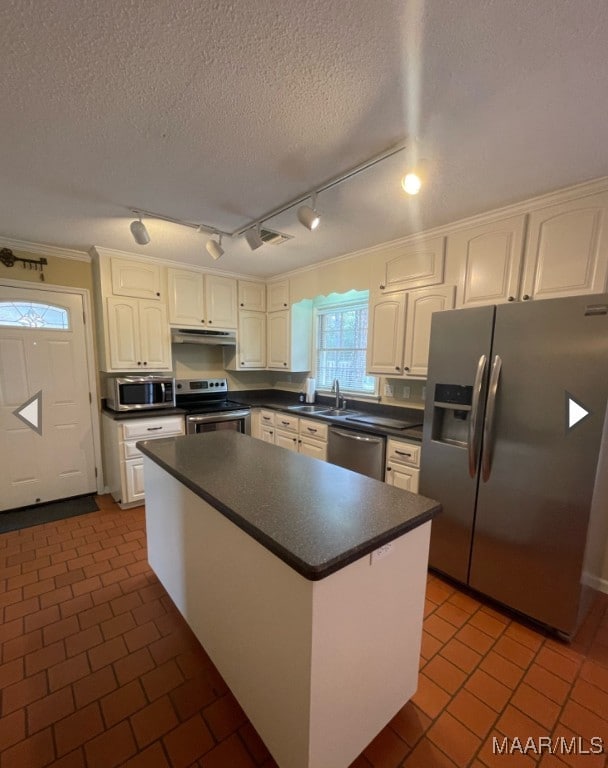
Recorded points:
303,581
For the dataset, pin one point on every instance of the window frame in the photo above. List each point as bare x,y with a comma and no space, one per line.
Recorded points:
324,304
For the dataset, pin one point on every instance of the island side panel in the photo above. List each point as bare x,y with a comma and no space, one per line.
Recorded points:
367,631
251,612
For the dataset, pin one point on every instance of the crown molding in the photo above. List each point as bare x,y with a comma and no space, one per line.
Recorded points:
43,249
525,206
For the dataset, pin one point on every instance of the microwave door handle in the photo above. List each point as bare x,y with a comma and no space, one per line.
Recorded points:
163,388
488,429
473,437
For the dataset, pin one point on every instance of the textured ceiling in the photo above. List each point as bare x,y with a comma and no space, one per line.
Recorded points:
219,111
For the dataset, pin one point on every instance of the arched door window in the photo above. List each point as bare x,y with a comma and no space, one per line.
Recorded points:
32,314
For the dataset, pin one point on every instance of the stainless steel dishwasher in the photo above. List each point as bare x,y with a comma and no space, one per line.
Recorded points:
357,451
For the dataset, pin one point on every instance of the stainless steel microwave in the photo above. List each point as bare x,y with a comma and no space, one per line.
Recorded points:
134,393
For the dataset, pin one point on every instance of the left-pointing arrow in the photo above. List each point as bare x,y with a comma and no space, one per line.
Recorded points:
30,412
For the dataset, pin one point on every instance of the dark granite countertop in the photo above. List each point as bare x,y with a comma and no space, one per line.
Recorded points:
315,516
151,413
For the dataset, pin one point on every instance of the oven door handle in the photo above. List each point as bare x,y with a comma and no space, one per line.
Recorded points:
201,418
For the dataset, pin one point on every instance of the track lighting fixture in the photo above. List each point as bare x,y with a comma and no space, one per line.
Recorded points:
214,249
253,237
308,215
139,231
415,177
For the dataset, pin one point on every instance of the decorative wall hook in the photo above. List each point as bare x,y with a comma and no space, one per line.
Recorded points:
8,258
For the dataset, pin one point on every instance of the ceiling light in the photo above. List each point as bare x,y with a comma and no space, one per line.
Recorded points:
253,237
308,215
415,177
214,249
139,232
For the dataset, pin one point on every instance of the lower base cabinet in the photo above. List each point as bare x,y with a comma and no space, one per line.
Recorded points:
402,464
123,463
305,436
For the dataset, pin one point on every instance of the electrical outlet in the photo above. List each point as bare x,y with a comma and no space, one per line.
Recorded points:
424,393
381,552
388,389
406,392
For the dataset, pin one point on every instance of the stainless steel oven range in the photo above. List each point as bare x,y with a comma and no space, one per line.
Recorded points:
208,407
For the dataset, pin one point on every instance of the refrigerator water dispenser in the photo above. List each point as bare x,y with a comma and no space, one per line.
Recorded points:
451,413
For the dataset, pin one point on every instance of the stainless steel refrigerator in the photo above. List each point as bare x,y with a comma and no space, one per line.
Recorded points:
511,455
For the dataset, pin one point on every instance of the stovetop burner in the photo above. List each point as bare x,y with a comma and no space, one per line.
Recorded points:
204,396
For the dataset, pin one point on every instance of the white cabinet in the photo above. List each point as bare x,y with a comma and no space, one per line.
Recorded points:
278,296
306,436
201,300
138,335
312,438
490,257
123,463
252,296
250,350
386,332
567,249
289,338
402,464
413,264
420,307
139,279
400,330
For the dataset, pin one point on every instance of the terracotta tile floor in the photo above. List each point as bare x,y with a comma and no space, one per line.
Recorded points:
98,669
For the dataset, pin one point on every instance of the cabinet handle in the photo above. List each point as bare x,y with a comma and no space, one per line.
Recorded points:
295,439
242,305
525,297
310,429
286,423
210,321
153,429
145,362
388,469
406,369
202,321
284,363
284,304
242,363
138,362
382,287
157,293
511,298
402,453
397,368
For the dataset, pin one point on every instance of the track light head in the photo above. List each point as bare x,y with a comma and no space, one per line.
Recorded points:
214,249
139,232
308,217
415,177
253,237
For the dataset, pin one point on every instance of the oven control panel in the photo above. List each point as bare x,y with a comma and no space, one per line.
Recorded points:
199,386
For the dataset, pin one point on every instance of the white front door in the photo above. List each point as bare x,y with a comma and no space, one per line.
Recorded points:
42,348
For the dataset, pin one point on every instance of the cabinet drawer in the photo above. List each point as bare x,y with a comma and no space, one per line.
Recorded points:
129,451
403,453
312,428
138,429
286,422
267,418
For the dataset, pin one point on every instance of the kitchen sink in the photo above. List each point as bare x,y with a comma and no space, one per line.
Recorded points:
308,408
339,412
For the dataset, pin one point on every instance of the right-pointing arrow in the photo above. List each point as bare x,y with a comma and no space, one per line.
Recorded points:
576,412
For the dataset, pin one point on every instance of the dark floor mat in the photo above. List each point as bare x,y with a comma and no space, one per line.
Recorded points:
25,517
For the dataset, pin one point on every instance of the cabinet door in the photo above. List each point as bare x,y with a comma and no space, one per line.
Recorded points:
267,434
415,265
386,334
135,278
155,341
252,296
490,257
286,440
316,449
252,340
134,481
123,334
420,307
567,249
278,296
186,298
277,347
220,301
403,477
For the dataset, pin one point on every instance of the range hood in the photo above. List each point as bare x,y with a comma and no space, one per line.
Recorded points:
202,336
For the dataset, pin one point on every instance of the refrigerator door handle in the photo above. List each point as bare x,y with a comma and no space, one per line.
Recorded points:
473,438
488,429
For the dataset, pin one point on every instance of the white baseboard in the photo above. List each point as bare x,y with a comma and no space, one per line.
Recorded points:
595,582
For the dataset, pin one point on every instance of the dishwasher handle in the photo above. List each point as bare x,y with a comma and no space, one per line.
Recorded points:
360,438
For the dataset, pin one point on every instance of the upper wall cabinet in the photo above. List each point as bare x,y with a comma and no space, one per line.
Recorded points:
252,296
567,249
386,334
138,279
415,265
420,307
198,300
490,257
278,296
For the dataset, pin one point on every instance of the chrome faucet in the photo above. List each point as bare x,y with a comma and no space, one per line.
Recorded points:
335,387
